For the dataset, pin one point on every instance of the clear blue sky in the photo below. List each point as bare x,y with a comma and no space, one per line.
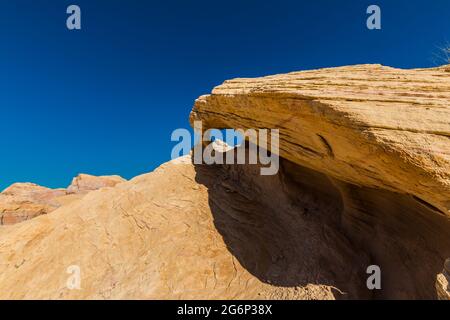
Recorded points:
104,100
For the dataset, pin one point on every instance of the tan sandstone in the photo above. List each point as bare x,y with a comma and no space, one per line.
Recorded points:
24,201
84,183
364,179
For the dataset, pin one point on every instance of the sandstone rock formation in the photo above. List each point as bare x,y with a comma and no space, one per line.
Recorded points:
24,201
382,135
84,183
368,125
364,179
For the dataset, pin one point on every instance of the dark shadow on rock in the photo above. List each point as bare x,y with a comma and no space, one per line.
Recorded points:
407,238
284,229
299,227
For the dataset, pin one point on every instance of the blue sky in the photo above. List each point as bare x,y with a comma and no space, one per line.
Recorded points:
105,99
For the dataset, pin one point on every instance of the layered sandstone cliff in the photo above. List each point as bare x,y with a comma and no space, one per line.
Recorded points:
364,180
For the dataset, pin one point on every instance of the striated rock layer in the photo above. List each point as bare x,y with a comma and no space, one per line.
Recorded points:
368,125
363,180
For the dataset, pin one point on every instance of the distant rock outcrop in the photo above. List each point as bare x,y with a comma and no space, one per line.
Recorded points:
364,180
84,183
24,201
